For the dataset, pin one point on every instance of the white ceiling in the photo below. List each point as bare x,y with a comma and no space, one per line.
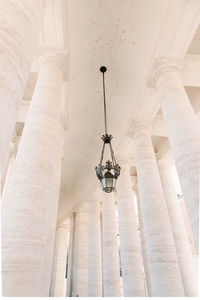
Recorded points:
126,36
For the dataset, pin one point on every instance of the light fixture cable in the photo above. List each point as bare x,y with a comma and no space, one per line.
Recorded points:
103,70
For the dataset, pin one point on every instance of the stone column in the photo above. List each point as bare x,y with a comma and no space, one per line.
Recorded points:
61,243
131,260
94,248
142,237
70,256
80,262
161,252
8,165
19,29
33,188
183,131
111,270
101,224
187,225
183,249
50,241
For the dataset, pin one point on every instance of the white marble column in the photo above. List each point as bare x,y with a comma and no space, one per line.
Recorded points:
94,248
142,237
70,256
61,245
8,165
33,188
131,259
184,134
161,252
111,270
80,261
101,225
19,29
186,260
187,225
50,241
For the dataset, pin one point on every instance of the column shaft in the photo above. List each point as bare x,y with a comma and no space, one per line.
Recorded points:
62,239
131,260
80,262
20,24
184,135
33,187
51,231
94,249
161,252
142,237
186,260
8,167
111,271
70,256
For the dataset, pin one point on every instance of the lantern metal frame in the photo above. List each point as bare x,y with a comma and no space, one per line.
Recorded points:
111,170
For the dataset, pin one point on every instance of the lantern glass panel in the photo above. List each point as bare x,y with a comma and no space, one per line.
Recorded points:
107,182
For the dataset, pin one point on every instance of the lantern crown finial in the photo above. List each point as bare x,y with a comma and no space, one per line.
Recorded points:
106,138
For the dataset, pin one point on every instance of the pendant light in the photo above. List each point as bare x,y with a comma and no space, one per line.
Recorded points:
108,173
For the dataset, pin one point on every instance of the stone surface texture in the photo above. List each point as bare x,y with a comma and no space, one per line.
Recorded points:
80,261
94,248
111,271
183,131
142,237
70,256
161,252
61,245
19,30
131,260
30,201
186,260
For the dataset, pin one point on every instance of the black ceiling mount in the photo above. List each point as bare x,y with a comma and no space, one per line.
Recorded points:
103,69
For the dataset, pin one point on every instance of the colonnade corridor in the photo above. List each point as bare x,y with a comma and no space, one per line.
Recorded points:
62,235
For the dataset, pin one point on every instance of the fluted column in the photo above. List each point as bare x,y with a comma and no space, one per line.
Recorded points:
142,236
32,193
131,260
94,248
186,260
19,29
80,261
161,252
111,271
61,244
183,131
70,256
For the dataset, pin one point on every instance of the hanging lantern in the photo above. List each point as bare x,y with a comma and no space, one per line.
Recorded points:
108,173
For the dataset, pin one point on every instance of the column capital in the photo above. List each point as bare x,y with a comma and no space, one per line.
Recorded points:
165,67
139,127
60,59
